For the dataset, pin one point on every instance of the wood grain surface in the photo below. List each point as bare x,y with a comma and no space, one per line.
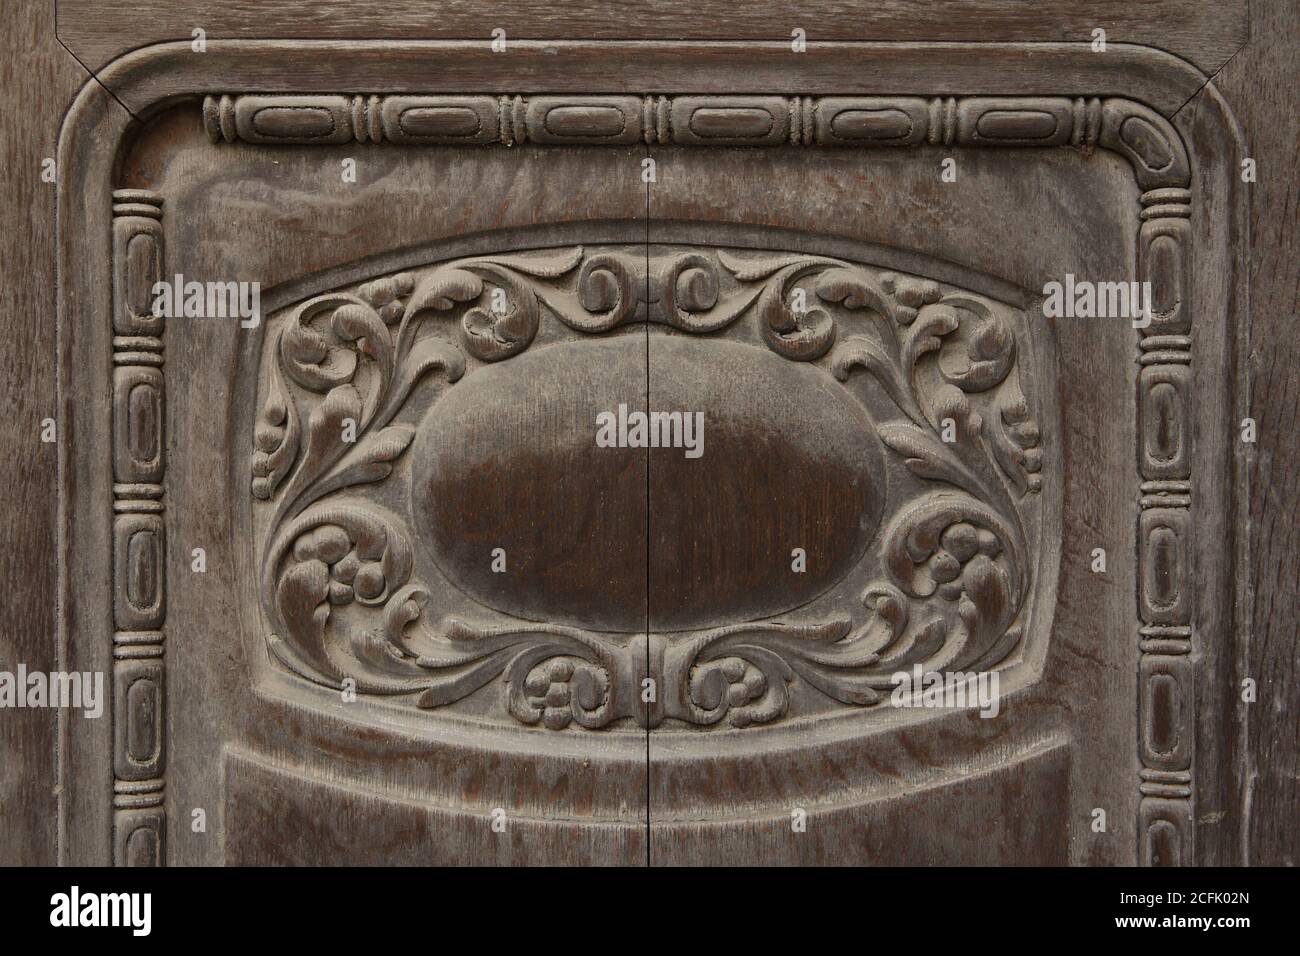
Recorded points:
1204,32
1241,56
37,80
1259,84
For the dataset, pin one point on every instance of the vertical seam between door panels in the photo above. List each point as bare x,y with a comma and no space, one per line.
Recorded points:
648,539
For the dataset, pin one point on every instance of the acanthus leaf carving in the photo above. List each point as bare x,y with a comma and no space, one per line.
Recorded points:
954,559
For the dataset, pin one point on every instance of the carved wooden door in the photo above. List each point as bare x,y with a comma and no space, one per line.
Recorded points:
435,619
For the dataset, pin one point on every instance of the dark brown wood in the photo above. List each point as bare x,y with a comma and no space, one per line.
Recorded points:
704,803
785,462
504,446
526,179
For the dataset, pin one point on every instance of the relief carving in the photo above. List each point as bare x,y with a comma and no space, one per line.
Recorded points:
944,582
1168,669
139,558
1166,711
1135,131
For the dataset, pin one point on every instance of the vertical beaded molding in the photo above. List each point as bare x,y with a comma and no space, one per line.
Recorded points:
139,543
1166,703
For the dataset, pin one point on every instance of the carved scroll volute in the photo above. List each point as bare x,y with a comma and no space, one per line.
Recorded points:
954,563
607,290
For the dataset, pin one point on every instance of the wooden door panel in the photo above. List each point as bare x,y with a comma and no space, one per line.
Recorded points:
885,253
646,676
315,546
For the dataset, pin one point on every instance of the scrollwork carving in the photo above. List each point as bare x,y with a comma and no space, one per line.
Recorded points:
937,369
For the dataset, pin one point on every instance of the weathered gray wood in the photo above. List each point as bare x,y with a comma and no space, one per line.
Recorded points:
1257,84
85,595
144,78
1204,32
38,79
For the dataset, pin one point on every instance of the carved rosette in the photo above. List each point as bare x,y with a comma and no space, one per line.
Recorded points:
945,587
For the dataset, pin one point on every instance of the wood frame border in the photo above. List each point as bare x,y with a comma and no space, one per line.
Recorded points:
101,256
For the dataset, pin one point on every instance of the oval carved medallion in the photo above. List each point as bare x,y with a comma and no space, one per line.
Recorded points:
860,494
508,459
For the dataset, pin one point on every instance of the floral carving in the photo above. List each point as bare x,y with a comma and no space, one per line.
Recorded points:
940,373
